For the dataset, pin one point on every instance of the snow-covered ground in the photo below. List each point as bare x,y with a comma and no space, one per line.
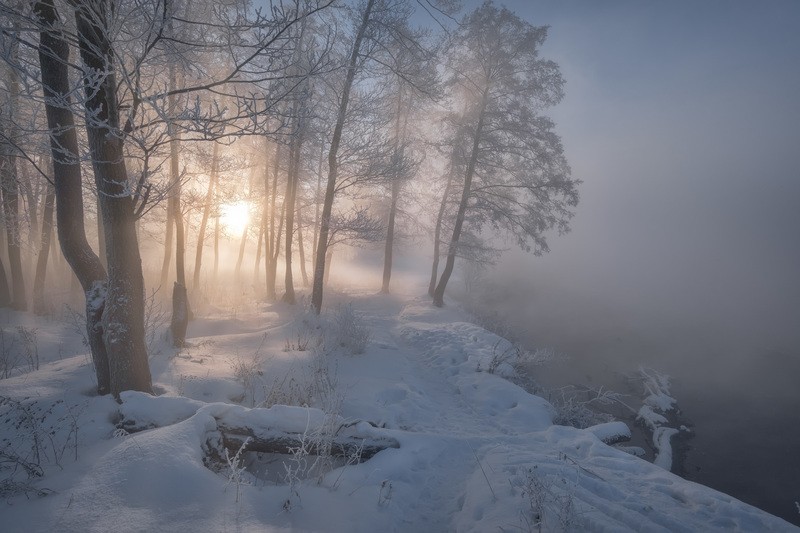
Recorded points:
465,449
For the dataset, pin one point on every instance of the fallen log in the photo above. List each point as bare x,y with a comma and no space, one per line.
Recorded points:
345,446
279,429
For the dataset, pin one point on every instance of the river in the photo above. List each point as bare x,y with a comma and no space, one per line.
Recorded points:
737,389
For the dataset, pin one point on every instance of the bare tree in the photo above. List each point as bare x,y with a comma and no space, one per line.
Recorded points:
123,315
207,206
54,52
380,27
516,178
9,181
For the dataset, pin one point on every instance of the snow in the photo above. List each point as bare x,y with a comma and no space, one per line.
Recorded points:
657,401
476,452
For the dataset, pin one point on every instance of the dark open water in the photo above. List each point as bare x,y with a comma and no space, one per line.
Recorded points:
742,398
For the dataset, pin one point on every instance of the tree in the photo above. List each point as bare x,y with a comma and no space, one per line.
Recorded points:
515,178
9,182
123,314
54,55
380,28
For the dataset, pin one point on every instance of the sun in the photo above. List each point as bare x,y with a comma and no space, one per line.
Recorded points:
235,216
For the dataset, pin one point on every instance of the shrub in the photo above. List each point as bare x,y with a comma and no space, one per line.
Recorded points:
348,330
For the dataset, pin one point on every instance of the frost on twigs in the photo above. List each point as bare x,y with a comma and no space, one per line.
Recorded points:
35,436
348,331
310,440
580,407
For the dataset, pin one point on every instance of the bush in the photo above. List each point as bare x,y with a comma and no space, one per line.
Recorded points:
348,331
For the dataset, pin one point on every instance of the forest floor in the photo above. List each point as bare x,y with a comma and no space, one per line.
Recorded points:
468,450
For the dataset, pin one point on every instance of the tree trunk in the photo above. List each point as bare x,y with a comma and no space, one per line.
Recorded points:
328,261
438,293
54,61
5,293
33,211
216,247
333,163
123,315
398,141
259,249
201,234
274,238
101,238
388,249
300,248
243,242
289,208
316,200
180,298
437,235
39,306
167,244
10,185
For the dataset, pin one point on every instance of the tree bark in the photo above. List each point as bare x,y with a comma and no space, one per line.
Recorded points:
300,248
5,293
333,163
54,60
389,247
123,315
316,200
243,242
201,234
438,293
180,298
289,208
9,181
167,244
216,247
39,306
274,237
33,207
437,235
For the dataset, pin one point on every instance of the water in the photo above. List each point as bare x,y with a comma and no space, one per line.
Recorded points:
741,395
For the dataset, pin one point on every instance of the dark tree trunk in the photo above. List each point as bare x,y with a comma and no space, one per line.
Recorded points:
300,248
89,271
437,235
388,249
333,163
31,200
180,298
101,238
399,133
438,293
243,242
123,316
216,247
316,200
274,236
201,234
259,249
289,208
10,189
167,244
242,245
5,293
39,306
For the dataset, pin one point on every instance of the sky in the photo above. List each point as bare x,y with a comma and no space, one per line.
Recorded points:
681,118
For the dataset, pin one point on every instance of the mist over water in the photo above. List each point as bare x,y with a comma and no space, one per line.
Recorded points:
681,119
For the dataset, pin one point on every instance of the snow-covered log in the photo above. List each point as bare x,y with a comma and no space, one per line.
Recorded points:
234,438
278,429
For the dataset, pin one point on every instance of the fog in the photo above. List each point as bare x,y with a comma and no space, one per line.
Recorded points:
681,119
